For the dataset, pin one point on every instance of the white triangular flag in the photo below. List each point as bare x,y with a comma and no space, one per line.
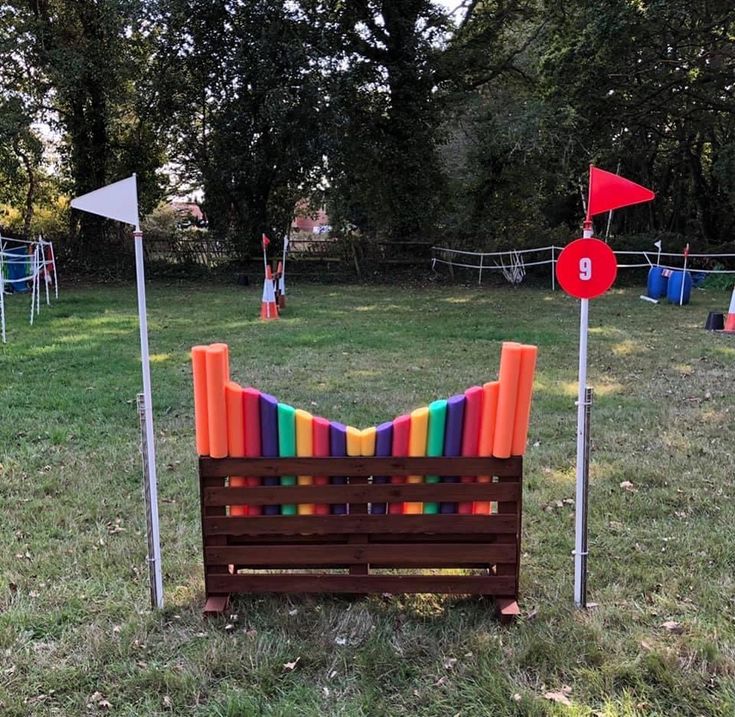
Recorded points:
657,244
115,201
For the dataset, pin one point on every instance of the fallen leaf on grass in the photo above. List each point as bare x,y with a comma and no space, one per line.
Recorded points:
647,646
561,696
627,485
449,663
290,666
675,628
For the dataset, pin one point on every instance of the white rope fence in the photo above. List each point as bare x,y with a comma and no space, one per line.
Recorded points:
39,260
547,255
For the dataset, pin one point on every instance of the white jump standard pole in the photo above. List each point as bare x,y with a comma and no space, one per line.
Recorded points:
580,503
149,447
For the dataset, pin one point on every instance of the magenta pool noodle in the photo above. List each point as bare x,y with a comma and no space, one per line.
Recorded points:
338,448
383,447
453,441
269,442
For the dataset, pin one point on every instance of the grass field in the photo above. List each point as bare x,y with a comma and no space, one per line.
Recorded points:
76,634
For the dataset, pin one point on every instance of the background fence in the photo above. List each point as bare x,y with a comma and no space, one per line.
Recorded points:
513,263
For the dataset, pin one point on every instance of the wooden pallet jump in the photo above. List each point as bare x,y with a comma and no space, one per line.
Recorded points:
359,552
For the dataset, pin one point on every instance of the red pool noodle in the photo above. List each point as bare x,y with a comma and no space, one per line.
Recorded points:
321,450
251,412
470,436
401,430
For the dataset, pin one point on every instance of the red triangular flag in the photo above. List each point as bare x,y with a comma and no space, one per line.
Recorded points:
610,191
266,241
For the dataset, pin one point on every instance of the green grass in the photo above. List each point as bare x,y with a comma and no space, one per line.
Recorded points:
75,629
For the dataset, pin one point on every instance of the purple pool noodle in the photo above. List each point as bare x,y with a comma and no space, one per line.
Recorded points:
269,442
453,441
383,447
338,448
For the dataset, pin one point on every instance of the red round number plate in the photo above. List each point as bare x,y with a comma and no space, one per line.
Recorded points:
586,268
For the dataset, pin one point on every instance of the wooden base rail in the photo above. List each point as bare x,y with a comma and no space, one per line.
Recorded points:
343,553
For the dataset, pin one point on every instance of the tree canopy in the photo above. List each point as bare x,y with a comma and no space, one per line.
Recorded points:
473,127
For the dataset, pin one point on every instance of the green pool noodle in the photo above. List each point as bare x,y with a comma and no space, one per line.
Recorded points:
287,446
435,442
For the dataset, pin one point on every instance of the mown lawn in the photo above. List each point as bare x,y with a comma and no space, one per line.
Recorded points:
76,634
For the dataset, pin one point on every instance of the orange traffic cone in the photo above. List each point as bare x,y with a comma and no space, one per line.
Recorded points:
730,320
268,308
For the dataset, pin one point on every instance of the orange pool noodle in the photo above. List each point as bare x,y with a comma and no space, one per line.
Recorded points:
417,438
471,436
305,449
216,406
227,356
523,405
235,420
510,366
201,420
235,437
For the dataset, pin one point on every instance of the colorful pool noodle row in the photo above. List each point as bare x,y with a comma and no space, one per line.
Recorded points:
488,420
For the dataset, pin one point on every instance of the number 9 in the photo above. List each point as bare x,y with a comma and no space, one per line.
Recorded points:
585,269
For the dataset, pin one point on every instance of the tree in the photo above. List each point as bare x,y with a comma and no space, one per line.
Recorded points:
90,59
383,164
247,104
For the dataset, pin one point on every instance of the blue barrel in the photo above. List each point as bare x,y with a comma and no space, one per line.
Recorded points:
673,293
657,283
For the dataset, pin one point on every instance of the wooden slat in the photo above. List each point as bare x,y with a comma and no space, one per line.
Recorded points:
375,493
318,524
389,555
367,466
308,583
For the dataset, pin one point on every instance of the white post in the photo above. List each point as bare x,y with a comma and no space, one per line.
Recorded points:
553,268
580,557
684,276
38,280
479,278
282,287
45,270
33,285
2,291
53,265
157,588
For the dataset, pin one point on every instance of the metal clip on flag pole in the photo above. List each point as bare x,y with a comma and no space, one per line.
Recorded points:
119,201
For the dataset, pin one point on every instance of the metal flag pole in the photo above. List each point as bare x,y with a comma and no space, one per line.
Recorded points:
119,201
149,448
580,504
